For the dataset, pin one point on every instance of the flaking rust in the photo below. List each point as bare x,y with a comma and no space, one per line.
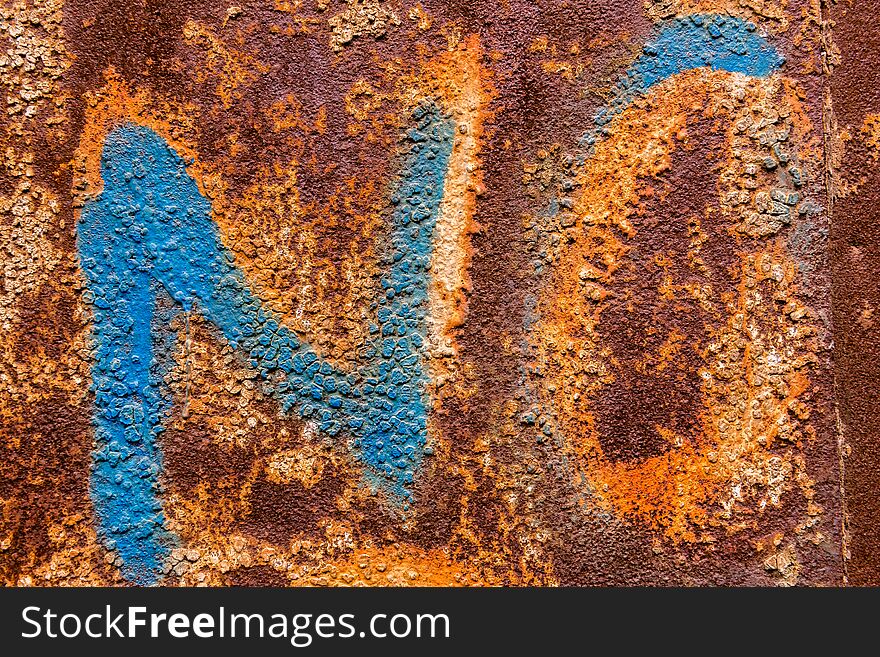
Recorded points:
344,292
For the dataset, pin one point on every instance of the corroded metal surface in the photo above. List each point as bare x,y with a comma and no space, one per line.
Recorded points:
437,293
853,120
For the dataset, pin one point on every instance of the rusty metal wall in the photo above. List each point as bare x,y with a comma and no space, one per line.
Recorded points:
438,293
852,106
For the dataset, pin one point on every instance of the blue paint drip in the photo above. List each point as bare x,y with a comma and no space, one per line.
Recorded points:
149,234
721,43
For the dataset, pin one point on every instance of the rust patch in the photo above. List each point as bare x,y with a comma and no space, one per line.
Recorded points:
631,388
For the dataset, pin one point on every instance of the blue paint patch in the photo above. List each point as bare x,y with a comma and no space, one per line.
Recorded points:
150,234
721,43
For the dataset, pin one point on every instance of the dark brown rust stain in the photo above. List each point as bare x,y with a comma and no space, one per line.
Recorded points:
44,472
279,511
436,522
512,25
855,261
192,456
144,36
257,576
647,393
52,446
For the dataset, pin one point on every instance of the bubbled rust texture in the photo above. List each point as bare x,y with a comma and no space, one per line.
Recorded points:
380,292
